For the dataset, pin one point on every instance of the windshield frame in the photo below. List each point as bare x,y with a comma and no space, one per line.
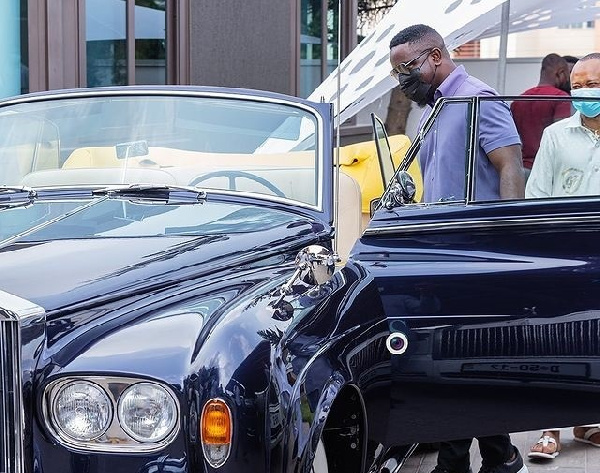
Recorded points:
320,112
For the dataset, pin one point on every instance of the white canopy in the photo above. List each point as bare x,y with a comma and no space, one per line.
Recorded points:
365,72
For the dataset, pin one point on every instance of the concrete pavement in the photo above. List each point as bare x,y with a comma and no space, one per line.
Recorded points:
574,457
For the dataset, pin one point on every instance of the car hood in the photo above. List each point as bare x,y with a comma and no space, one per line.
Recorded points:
70,257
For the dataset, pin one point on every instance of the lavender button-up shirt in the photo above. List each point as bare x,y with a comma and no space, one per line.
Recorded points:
443,154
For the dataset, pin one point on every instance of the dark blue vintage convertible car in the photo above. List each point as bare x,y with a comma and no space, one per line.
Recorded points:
172,299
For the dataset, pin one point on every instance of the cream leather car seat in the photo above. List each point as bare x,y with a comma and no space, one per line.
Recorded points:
348,228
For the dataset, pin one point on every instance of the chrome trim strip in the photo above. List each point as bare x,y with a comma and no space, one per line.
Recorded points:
257,195
479,224
16,313
471,155
439,318
154,91
23,311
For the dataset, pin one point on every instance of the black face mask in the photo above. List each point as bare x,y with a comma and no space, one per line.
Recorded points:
415,89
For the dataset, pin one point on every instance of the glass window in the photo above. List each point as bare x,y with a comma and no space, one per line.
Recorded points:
497,141
579,26
215,143
24,53
318,42
106,48
14,78
465,146
560,145
443,154
150,41
109,35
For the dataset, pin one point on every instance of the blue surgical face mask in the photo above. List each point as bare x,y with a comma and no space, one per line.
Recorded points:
588,109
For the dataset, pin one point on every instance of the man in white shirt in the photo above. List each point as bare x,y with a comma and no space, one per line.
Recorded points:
568,164
568,160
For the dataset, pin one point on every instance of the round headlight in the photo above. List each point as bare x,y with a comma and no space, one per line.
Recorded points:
147,412
82,410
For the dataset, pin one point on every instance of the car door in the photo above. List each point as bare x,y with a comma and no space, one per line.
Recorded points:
493,307
384,152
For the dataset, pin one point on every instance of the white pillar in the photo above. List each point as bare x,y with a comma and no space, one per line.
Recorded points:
504,27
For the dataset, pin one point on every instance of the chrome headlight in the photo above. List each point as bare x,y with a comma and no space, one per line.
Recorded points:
82,410
147,412
111,413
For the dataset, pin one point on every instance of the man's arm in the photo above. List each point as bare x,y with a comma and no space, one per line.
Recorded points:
508,162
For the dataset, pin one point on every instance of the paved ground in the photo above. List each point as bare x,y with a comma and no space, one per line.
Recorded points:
574,457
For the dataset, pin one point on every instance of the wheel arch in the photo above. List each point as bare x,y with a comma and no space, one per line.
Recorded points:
340,423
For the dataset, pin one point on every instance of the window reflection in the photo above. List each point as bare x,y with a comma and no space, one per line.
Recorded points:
444,172
150,55
107,37
106,48
13,71
24,63
318,45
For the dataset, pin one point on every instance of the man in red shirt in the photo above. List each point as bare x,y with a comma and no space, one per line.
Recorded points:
532,116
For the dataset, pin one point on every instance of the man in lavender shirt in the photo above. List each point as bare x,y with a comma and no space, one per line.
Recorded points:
423,66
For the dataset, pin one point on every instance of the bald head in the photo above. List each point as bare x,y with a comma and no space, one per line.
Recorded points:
553,62
586,72
590,56
554,72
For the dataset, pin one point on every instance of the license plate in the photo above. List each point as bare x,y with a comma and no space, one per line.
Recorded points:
578,370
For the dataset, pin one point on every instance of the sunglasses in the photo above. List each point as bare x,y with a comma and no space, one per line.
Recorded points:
402,68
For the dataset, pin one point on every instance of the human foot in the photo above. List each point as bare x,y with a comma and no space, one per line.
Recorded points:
548,446
589,435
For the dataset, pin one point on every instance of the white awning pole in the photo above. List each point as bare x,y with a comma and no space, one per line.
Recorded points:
504,27
336,175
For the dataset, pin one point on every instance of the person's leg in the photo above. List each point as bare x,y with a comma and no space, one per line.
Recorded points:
499,455
548,446
495,450
453,456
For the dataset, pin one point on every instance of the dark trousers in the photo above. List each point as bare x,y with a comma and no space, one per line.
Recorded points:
454,455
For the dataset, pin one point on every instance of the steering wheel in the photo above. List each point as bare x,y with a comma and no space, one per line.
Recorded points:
233,175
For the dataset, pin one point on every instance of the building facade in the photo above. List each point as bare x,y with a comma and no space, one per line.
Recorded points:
286,46
575,39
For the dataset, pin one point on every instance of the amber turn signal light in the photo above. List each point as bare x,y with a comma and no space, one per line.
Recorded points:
215,425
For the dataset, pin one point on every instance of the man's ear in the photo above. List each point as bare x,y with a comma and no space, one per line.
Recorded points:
436,55
561,76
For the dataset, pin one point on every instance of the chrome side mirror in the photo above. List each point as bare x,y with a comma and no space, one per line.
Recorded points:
401,192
